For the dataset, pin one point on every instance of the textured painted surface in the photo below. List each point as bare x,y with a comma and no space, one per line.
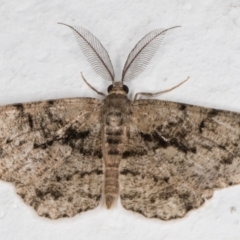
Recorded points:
40,60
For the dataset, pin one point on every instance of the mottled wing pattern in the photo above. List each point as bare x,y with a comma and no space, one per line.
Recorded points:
51,151
176,156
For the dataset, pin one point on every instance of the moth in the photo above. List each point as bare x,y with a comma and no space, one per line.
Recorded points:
162,158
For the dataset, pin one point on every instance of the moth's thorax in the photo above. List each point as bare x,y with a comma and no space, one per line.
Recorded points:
116,103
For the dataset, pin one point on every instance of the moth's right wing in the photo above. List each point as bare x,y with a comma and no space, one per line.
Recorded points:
177,155
51,151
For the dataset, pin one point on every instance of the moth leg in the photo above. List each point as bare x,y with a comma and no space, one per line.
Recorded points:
153,94
100,93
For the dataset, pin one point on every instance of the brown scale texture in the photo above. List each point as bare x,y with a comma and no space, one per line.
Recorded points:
177,155
163,158
52,152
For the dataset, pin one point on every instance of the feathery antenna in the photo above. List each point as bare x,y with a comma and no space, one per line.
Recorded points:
94,51
142,53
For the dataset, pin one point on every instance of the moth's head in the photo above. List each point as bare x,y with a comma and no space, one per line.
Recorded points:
118,88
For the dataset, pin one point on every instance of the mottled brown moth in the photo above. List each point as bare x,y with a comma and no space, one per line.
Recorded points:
162,158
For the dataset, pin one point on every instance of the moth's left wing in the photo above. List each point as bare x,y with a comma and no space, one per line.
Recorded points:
51,152
176,156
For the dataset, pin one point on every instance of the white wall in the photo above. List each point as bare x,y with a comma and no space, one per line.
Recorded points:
40,60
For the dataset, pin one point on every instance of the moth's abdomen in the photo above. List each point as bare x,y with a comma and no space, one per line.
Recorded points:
114,135
111,185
